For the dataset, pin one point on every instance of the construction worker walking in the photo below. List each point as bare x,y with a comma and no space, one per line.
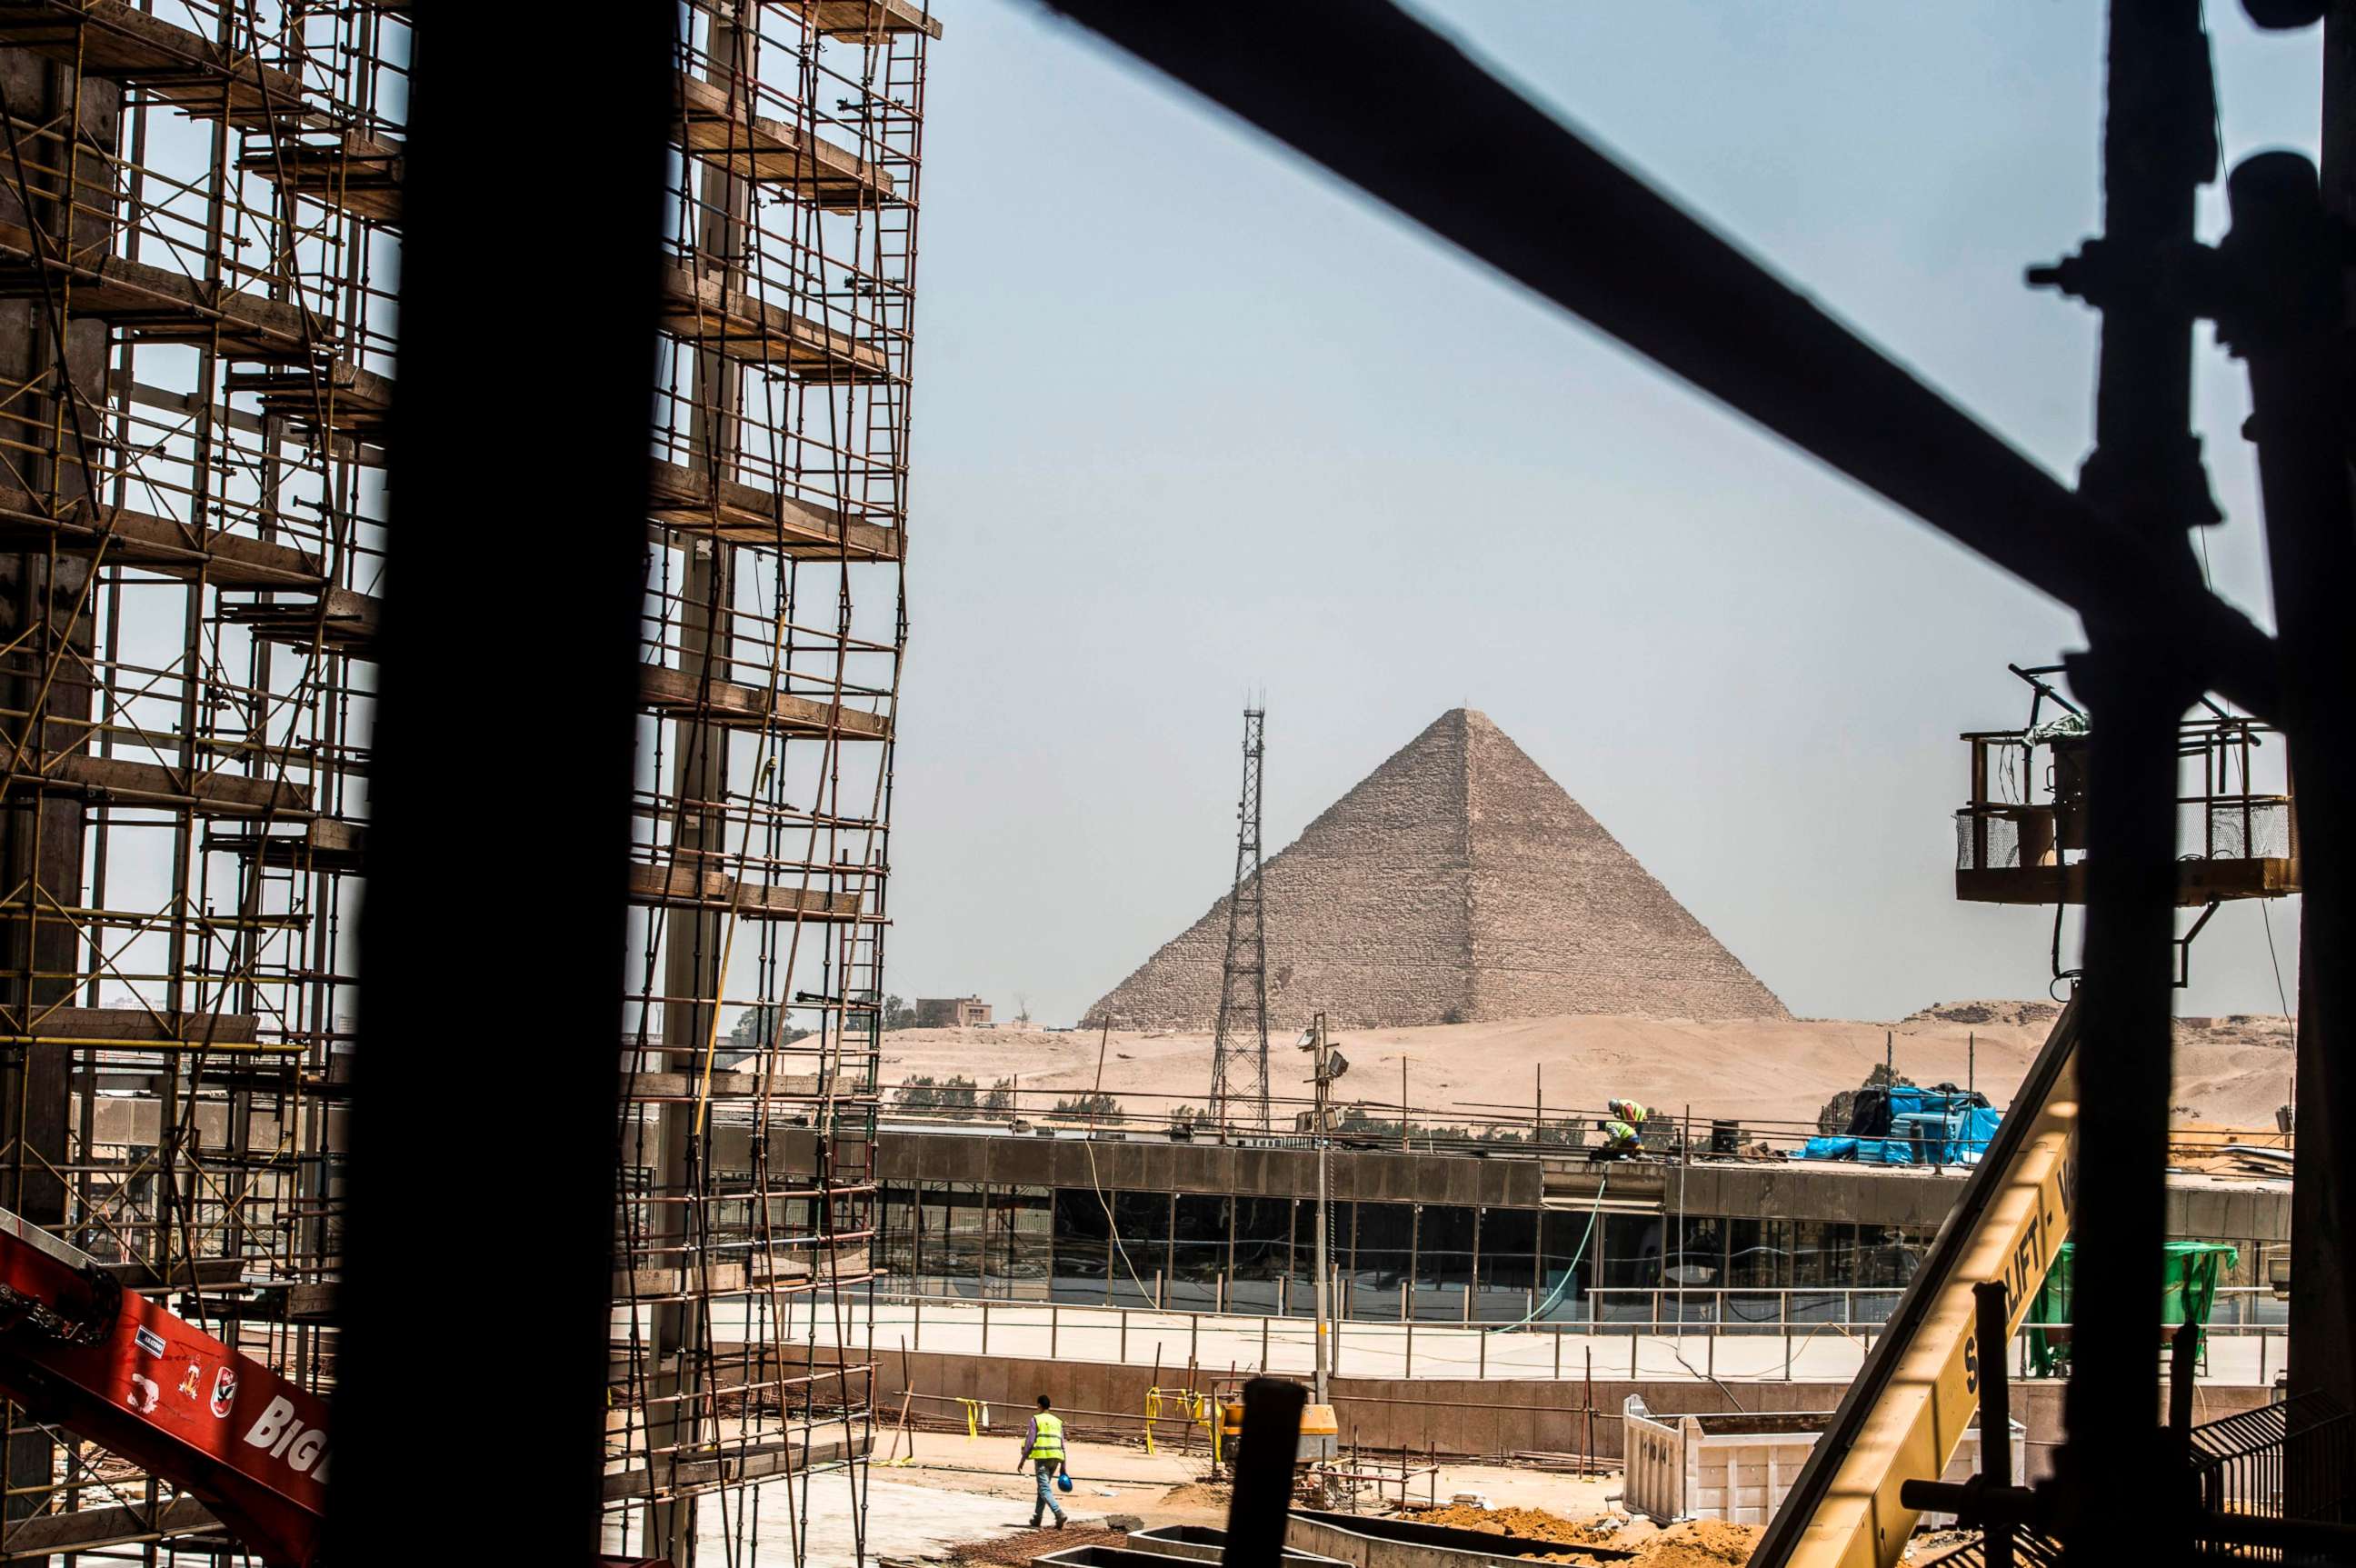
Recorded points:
1043,1450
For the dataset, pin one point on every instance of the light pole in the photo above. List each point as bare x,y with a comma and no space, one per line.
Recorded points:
1325,1065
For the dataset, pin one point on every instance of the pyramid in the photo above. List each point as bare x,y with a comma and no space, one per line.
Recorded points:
1456,884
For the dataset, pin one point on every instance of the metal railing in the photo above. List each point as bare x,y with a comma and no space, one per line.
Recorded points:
1808,1334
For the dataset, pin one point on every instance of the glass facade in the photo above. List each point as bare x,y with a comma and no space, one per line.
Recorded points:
1401,1261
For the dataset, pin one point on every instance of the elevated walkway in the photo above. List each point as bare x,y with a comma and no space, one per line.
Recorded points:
117,41
683,499
851,20
353,173
324,844
123,781
160,544
686,694
684,887
750,329
334,396
339,620
718,127
157,305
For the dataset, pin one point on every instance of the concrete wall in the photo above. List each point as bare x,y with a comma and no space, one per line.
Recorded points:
1744,1189
1455,1417
1159,1165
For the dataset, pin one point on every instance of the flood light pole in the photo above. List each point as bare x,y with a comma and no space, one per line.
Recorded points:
1325,1066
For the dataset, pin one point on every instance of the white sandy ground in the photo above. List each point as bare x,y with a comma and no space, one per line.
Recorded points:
961,1490
2228,1072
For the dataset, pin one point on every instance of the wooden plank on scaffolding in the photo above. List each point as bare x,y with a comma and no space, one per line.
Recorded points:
130,783
746,514
324,843
369,452
330,394
856,19
352,173
716,124
682,693
681,887
86,1529
339,620
129,1025
157,304
747,327
668,1282
787,1264
177,1275
117,41
159,544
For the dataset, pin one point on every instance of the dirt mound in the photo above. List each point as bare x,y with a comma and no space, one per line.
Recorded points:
1699,1544
1197,1494
1530,1524
1026,1546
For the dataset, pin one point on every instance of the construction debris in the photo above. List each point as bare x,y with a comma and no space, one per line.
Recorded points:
1018,1551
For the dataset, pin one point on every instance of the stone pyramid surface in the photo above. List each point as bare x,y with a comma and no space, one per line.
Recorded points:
1456,882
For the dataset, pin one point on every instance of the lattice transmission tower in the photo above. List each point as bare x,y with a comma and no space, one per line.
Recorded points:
1239,1050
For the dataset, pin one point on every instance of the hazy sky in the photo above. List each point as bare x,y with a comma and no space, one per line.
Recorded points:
1194,421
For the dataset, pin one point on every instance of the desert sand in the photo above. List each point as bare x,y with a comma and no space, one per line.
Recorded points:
2230,1072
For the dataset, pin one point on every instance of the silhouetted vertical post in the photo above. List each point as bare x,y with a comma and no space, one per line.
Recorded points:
1263,1491
2144,473
2280,306
473,591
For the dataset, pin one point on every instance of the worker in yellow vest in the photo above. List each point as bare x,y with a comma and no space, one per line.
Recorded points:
1043,1450
1623,1134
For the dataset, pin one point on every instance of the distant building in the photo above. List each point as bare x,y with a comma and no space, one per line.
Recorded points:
952,1013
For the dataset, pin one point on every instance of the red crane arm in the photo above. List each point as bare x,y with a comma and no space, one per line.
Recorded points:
78,1350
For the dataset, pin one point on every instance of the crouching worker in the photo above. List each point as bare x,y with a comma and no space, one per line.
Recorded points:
1620,1141
1043,1450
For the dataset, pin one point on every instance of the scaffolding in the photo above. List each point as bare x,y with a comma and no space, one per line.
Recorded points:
772,632
201,217
198,221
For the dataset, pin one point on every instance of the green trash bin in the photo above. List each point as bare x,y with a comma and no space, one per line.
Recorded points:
2187,1293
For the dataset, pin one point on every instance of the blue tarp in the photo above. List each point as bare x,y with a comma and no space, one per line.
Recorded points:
1955,1137
1866,1151
1980,1124
1927,1126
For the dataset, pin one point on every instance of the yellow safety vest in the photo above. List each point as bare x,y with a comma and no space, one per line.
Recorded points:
1049,1444
1619,1133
